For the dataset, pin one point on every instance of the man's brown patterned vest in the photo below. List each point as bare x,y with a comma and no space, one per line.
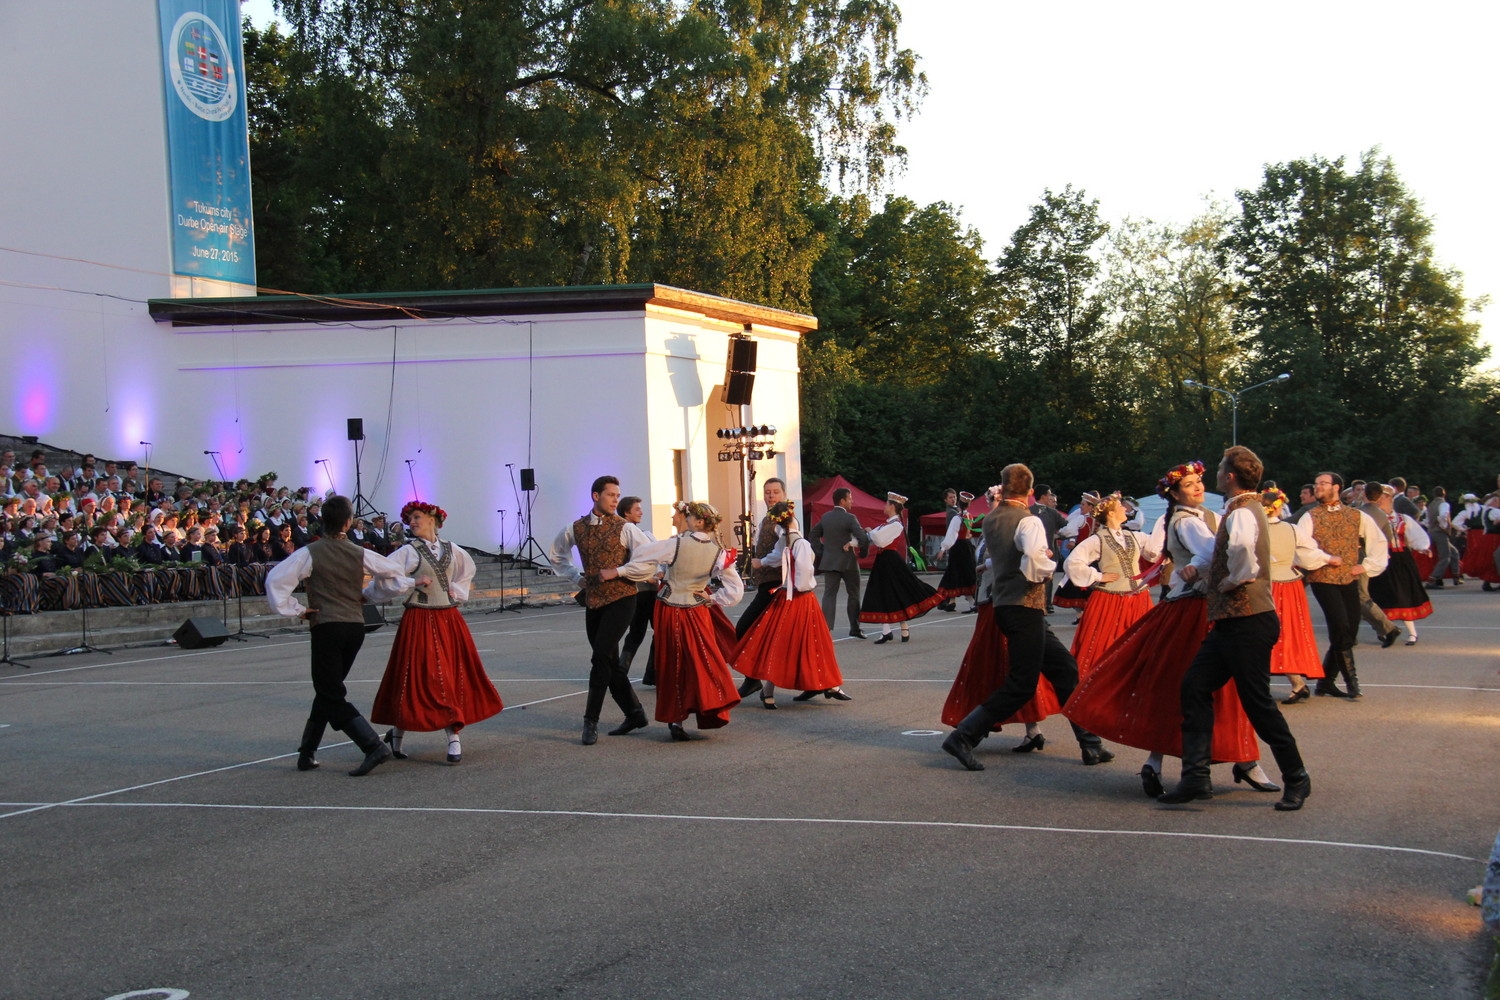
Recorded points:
1336,530
1252,597
600,548
765,541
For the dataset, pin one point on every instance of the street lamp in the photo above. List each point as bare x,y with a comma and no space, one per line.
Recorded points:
1234,399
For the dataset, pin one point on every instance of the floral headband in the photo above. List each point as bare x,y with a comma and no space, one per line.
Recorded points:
783,512
433,511
1274,501
1103,506
1167,483
705,512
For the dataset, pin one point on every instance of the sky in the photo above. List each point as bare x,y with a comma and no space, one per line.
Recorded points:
1153,107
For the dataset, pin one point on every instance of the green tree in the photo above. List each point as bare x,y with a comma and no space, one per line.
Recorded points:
1339,286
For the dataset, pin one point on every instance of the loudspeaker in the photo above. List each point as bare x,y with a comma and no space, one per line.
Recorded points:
528,480
198,633
739,371
374,618
356,429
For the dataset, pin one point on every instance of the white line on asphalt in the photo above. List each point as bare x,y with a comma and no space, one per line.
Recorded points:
808,820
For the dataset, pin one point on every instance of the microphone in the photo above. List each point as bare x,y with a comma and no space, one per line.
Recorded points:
143,442
316,461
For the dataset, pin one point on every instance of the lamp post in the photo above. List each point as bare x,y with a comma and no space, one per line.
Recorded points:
1234,399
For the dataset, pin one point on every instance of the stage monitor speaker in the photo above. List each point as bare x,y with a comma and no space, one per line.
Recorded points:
356,429
528,480
199,633
374,618
738,388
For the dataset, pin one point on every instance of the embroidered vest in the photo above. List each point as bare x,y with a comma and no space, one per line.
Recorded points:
600,548
765,541
338,574
692,565
1010,586
1122,559
1252,597
1336,530
435,594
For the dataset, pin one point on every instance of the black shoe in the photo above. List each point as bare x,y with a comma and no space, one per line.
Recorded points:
768,701
959,747
630,725
1487,587
376,752
749,686
806,696
678,733
1434,585
857,634
837,694
312,735
1243,774
391,740
455,756
1151,783
972,611
887,637
1301,694
1389,639
906,637
373,759
1186,792
306,761
948,606
1328,688
590,733
1298,788
1096,755
1029,744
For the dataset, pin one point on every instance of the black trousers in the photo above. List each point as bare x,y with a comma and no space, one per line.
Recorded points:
849,578
1034,652
1340,604
605,627
1239,650
758,605
645,604
334,647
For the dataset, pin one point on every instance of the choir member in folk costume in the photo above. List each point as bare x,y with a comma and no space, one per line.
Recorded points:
959,575
893,593
986,661
1107,565
1133,695
692,677
434,678
1080,525
789,646
1296,652
1398,591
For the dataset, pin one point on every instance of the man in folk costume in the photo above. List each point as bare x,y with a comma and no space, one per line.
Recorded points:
604,540
1016,543
765,578
335,570
1238,647
1340,531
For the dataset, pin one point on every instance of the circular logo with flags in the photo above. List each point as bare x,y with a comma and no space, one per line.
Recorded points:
199,63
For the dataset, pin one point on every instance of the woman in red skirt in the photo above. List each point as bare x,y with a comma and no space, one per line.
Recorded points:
1296,653
1133,694
1107,565
789,646
692,676
434,678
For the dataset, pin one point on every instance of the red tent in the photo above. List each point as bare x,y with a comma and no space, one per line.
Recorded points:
817,500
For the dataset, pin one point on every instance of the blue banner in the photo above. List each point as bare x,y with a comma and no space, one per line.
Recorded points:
208,142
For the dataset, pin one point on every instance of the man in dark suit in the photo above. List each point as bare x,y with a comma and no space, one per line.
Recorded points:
1053,521
840,542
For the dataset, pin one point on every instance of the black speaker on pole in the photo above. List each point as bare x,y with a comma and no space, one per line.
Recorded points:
356,429
528,480
739,371
200,633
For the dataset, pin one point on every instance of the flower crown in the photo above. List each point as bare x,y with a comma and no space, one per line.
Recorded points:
432,510
1274,501
783,512
1166,483
703,511
1104,505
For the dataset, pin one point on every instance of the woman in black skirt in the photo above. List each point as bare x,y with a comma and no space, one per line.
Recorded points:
893,594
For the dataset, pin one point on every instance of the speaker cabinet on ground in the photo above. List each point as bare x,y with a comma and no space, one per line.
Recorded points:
374,618
200,633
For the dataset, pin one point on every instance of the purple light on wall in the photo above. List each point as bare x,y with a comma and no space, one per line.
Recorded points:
36,408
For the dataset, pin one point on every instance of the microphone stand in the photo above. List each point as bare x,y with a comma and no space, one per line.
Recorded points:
502,605
83,640
5,656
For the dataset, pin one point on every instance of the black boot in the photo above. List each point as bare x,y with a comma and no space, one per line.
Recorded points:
376,752
590,732
631,724
1298,786
1326,685
967,735
1351,679
626,655
1195,783
1091,746
312,735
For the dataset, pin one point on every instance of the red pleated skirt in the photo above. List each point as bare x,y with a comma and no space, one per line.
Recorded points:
1106,617
692,676
985,665
723,632
1133,695
434,678
1426,562
1296,652
1479,557
789,646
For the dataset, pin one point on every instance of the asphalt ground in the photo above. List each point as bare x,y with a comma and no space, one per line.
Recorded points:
157,841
